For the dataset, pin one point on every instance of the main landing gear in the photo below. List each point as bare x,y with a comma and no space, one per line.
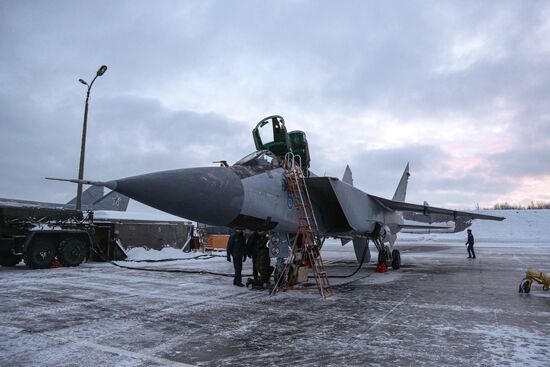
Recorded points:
386,257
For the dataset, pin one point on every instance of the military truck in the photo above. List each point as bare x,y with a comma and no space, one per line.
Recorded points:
39,236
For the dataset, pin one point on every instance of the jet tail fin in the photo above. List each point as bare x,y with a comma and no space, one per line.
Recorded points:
348,176
89,195
112,201
93,199
401,191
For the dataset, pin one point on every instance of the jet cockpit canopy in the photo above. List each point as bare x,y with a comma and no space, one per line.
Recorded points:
262,160
271,134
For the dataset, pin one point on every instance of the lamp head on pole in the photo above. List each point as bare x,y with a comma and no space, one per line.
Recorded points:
102,70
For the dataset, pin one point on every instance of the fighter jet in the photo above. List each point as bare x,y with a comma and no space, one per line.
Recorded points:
252,194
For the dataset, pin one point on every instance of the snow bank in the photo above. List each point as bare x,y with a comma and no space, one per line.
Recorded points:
143,216
520,226
140,253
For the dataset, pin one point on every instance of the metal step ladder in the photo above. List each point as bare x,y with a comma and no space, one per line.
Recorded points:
306,247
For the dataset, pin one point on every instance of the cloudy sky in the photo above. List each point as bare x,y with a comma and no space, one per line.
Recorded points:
461,90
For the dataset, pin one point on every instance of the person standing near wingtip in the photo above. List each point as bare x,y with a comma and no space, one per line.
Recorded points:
470,244
236,247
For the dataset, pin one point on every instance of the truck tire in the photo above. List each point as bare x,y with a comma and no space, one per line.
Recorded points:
9,259
40,253
72,251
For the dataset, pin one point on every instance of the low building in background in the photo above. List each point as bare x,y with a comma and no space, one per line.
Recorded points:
116,232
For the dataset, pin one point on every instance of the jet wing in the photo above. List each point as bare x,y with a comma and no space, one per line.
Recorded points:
425,209
421,226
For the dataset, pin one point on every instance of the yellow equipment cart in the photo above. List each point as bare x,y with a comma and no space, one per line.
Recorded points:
534,276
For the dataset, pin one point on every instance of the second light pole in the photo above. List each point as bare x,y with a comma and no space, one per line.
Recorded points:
100,72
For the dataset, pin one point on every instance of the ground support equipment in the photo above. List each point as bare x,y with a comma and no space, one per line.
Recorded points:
534,276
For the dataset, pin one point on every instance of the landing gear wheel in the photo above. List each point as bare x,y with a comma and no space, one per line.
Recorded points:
382,257
525,287
40,254
72,251
9,259
396,259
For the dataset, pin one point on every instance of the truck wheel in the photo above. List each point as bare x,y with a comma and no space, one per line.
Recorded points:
9,259
40,254
72,251
396,260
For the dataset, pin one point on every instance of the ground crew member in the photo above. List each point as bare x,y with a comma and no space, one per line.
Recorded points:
236,247
255,241
470,244
251,251
264,265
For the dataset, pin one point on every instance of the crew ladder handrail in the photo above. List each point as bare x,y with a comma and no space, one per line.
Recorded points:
306,247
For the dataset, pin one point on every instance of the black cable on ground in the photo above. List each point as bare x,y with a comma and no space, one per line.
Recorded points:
356,270
206,257
177,271
100,254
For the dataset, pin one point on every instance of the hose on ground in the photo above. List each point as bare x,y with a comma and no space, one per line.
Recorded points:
206,257
101,255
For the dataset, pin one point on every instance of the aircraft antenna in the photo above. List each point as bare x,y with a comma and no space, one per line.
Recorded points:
306,248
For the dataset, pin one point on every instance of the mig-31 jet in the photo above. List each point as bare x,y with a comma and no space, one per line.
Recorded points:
252,194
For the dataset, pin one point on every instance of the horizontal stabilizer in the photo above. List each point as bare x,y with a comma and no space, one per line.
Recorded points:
424,209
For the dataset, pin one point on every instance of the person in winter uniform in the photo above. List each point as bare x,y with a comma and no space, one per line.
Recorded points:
470,244
236,247
264,264
255,241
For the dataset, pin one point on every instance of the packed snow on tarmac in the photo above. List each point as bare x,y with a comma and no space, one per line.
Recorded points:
438,309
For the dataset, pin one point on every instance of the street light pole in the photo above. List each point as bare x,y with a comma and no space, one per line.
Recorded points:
100,72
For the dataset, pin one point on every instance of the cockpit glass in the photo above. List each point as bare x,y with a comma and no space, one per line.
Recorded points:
262,159
266,131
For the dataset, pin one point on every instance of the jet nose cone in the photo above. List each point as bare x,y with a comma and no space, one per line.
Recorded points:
212,195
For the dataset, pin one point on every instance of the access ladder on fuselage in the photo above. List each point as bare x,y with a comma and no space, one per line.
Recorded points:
306,247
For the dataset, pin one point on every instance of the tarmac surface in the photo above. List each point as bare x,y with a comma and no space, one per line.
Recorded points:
440,308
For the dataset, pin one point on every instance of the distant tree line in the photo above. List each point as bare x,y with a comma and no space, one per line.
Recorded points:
532,205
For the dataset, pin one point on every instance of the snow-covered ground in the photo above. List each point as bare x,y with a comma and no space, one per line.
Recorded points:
439,309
